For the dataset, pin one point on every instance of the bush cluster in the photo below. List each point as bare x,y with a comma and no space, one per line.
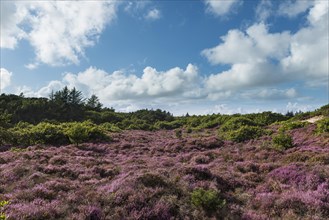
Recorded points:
287,126
282,141
209,200
25,134
240,129
323,126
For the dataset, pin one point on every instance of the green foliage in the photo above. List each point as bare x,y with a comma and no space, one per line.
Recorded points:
244,133
179,133
49,134
208,200
3,203
322,126
5,119
287,126
79,132
107,126
152,180
168,125
93,103
267,118
5,136
282,141
43,133
237,122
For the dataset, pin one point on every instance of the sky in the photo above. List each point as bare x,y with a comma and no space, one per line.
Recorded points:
195,56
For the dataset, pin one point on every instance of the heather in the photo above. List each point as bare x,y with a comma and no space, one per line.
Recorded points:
162,175
151,165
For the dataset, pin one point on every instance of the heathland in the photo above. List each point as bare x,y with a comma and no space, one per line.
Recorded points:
67,157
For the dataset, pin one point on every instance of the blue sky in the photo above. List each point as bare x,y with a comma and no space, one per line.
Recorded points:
200,56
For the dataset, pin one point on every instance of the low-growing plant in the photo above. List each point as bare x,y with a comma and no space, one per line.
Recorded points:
322,126
209,200
282,141
107,126
287,126
243,133
235,123
179,133
3,203
79,132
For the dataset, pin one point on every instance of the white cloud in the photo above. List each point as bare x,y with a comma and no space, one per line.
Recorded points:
221,7
259,58
264,10
5,78
293,8
172,84
59,31
271,94
153,14
296,107
309,48
10,17
255,45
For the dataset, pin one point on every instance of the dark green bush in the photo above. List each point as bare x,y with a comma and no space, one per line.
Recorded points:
266,118
209,200
5,136
179,133
235,123
168,125
152,180
243,133
282,141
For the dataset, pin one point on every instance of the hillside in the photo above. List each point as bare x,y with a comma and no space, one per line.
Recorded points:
151,165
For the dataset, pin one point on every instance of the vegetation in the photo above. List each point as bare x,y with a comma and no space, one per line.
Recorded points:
283,141
209,200
68,157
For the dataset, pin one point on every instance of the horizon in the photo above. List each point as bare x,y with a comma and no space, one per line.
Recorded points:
197,57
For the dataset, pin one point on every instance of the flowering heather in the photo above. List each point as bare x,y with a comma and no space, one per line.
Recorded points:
152,175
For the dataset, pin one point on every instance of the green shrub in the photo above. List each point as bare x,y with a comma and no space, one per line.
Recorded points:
79,132
243,133
21,136
46,133
168,125
5,136
107,126
179,134
287,126
266,118
235,123
152,180
3,203
208,200
282,141
139,124
322,126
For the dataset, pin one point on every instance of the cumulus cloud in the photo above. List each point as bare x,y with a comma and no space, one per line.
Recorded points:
10,18
293,8
254,45
153,14
59,31
5,78
259,58
220,7
172,84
